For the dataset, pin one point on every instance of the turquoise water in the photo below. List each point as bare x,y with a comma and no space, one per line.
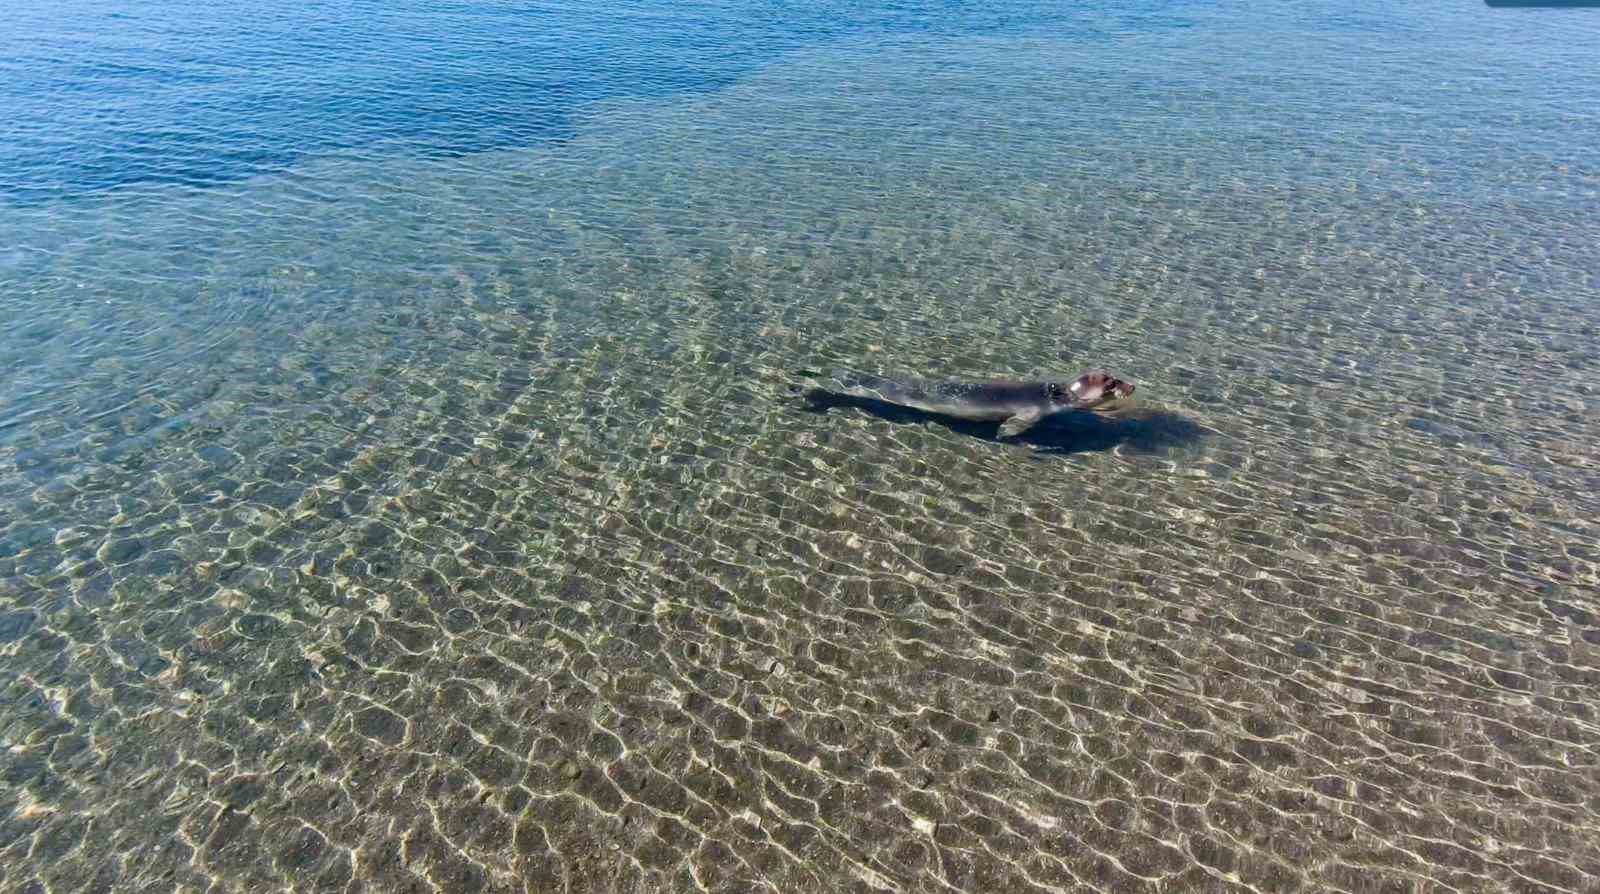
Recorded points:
400,488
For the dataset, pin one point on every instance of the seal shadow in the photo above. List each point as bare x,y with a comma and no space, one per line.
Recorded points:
1085,431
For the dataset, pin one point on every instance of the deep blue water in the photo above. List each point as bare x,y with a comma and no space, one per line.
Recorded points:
94,96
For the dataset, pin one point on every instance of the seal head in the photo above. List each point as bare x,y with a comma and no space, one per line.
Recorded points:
1089,391
1092,389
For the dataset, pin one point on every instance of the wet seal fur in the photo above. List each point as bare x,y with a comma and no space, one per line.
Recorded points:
1016,405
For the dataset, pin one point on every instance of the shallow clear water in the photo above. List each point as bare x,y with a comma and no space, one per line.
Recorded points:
400,487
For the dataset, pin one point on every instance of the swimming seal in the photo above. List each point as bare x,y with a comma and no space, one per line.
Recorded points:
1017,405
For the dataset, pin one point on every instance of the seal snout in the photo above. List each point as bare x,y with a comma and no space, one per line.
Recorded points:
1097,387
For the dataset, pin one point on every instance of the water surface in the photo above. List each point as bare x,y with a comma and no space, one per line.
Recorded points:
398,487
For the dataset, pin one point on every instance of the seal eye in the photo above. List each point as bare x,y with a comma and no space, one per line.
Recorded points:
1054,391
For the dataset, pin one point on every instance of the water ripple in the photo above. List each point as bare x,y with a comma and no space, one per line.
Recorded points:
406,519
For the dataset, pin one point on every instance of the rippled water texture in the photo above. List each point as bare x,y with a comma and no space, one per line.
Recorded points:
400,487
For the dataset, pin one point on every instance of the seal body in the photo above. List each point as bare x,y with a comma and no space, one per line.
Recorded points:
1016,405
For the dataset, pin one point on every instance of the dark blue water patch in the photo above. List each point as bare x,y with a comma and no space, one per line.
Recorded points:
96,96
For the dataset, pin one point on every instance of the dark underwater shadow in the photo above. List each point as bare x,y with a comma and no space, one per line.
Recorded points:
1142,429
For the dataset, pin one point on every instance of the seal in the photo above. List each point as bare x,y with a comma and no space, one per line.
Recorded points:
1016,405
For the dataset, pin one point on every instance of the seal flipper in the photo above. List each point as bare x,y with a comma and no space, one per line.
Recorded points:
809,391
1019,422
